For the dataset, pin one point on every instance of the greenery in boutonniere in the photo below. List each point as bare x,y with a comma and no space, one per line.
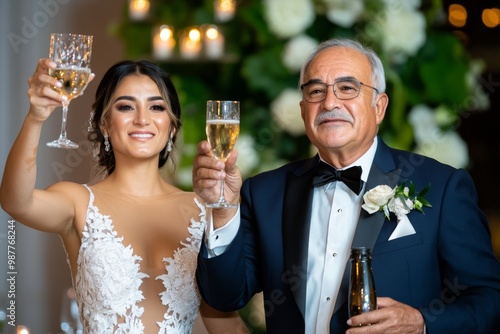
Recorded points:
400,200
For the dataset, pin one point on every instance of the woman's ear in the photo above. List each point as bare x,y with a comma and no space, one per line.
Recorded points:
173,132
103,129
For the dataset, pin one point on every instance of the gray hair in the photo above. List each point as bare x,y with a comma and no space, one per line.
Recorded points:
378,73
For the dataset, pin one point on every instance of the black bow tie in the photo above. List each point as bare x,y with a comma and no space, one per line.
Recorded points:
350,176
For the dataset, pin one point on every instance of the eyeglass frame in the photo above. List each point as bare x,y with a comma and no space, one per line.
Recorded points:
334,92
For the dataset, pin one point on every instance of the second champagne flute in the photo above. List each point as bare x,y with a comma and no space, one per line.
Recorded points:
223,127
71,53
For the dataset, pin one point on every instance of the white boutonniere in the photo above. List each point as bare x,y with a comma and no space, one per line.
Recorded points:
400,200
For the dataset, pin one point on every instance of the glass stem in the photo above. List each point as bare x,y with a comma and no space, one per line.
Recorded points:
221,198
64,119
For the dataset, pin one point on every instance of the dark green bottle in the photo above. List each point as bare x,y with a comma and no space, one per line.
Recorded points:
362,295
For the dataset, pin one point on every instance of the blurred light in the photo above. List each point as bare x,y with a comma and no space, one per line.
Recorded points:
163,42
224,10
457,15
212,32
195,34
491,17
190,42
166,33
138,9
22,330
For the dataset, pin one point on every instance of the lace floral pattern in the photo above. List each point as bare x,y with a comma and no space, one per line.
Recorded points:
109,279
181,294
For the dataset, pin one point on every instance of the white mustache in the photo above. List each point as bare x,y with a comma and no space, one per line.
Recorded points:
333,114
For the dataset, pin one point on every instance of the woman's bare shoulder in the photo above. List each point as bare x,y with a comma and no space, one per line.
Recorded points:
69,188
73,194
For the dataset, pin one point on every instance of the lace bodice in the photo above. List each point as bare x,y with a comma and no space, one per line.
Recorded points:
109,278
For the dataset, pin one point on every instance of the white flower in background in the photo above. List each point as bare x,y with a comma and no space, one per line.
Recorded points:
248,158
444,116
402,33
287,18
447,147
344,12
421,117
184,176
296,51
286,111
479,99
394,5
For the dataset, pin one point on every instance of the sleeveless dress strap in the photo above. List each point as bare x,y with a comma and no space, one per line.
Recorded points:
91,199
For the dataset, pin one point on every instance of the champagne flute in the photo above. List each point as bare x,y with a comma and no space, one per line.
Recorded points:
71,53
223,127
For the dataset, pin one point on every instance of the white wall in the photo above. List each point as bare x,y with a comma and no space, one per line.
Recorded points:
25,26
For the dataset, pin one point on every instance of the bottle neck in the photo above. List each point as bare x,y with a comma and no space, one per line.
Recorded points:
361,254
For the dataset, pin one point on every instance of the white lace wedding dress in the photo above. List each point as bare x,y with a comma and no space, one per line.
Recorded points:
109,278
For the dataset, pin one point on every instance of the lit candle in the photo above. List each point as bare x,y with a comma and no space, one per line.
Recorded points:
214,43
224,10
190,44
138,9
22,330
163,42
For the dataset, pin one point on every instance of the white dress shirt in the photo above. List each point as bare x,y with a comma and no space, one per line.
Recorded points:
330,248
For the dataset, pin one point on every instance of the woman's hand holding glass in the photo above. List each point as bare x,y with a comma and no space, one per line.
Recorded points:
43,98
71,53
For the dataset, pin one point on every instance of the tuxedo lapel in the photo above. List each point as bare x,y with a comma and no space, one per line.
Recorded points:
369,225
296,223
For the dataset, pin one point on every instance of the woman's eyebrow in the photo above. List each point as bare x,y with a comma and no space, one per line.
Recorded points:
131,98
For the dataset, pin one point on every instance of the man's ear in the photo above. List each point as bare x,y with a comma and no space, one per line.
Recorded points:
381,103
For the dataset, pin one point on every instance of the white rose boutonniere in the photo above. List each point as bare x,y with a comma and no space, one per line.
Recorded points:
400,200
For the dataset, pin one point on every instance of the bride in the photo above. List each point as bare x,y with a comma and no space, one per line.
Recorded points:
132,238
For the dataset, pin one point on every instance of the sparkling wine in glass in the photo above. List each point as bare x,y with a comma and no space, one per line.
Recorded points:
223,127
71,53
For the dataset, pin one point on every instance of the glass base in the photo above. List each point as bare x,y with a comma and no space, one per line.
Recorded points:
221,204
62,143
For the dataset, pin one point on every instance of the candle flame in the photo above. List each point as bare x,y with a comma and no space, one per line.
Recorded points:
140,5
165,33
212,33
194,34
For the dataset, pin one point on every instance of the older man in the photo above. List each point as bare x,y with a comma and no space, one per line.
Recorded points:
292,234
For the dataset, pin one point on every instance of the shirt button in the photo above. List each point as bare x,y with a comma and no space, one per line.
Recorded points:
334,254
339,210
327,299
216,237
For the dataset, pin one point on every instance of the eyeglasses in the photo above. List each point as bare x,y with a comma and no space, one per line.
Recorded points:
343,90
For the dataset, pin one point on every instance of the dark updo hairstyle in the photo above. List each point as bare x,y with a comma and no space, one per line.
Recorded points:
102,106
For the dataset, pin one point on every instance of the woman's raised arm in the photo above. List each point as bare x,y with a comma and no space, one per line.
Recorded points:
47,210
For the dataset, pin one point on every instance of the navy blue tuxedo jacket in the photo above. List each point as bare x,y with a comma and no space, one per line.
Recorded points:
447,269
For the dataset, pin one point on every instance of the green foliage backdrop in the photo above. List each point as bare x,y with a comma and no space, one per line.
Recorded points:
427,68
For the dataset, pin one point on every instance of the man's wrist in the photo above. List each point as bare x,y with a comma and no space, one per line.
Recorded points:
222,216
